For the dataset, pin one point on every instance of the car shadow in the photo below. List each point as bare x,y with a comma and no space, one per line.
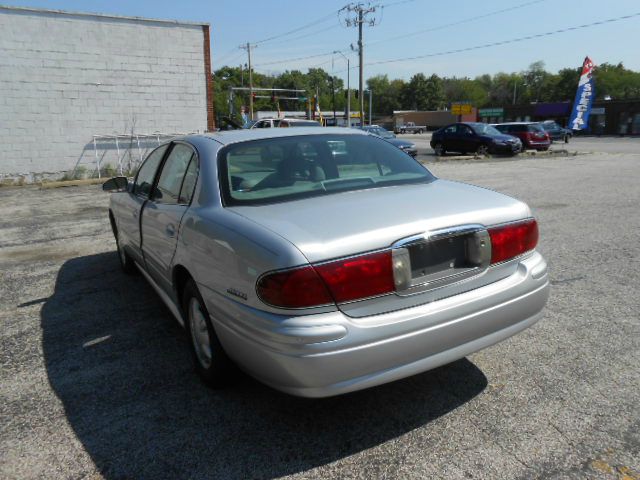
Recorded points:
119,363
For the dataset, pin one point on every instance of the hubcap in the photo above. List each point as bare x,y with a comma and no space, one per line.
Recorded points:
199,333
482,150
438,149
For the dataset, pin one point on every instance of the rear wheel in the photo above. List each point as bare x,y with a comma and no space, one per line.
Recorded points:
566,139
439,150
420,131
211,362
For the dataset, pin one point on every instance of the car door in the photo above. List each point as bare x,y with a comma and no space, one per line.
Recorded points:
132,203
467,139
450,138
163,211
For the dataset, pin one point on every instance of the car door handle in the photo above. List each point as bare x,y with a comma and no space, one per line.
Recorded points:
171,230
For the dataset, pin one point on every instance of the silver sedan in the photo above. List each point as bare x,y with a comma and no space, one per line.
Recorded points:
323,261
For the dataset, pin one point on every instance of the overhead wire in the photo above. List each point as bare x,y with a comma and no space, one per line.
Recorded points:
295,30
453,24
509,41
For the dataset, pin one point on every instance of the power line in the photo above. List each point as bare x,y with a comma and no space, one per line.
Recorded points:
506,42
399,2
306,34
453,24
295,30
295,59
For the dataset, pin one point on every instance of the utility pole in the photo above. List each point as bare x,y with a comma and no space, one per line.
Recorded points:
248,48
333,97
361,11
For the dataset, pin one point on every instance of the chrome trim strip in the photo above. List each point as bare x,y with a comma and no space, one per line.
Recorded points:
425,283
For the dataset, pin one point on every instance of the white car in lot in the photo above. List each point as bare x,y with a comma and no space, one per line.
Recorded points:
323,261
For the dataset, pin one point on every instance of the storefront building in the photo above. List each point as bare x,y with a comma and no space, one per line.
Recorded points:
608,117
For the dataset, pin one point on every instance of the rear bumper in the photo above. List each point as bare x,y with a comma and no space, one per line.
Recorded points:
330,354
537,144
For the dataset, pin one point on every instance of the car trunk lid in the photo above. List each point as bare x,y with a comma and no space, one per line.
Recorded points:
450,215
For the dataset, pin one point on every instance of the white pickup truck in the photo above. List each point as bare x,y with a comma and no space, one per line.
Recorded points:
410,127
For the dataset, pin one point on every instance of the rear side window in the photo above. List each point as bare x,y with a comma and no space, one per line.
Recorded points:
189,182
147,172
279,169
173,174
536,128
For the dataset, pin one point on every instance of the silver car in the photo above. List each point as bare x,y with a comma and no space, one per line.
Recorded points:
323,261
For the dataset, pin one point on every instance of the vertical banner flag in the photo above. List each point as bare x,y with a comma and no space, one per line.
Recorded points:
584,97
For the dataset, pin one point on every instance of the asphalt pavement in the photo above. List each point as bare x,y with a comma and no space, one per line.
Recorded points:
96,380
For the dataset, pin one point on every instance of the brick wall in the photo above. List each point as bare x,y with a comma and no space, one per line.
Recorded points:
65,77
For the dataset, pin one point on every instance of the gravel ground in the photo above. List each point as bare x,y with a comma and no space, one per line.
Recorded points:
96,380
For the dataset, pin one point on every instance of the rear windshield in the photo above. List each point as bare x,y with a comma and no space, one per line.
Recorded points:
536,127
287,168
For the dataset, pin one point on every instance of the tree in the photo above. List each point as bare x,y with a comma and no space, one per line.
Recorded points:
423,93
387,94
465,90
616,81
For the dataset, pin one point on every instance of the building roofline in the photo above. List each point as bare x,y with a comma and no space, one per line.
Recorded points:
99,15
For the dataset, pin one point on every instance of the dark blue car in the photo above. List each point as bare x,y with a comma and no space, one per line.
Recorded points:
472,137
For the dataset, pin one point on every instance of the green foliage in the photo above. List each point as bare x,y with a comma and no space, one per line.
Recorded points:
535,84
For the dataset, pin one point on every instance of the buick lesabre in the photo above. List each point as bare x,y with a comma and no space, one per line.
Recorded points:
323,261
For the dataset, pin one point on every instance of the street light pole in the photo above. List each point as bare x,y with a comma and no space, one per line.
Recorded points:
348,89
248,48
370,103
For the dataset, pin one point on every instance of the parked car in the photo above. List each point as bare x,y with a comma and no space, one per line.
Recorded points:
556,132
323,261
410,127
403,145
473,137
531,134
285,122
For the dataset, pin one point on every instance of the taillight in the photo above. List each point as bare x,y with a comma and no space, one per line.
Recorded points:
358,277
296,288
338,281
512,240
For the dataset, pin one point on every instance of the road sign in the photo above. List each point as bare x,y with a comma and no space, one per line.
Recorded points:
491,112
461,108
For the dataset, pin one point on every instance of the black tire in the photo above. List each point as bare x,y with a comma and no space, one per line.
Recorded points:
566,139
218,370
483,150
439,150
126,262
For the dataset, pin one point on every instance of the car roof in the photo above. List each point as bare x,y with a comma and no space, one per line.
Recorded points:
234,136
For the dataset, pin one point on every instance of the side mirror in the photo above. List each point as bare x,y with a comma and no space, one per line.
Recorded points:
116,184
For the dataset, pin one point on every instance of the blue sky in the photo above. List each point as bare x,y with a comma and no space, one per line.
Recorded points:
241,21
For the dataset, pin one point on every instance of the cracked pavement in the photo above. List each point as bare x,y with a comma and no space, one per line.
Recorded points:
96,380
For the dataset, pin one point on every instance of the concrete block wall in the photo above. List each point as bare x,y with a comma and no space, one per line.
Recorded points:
65,77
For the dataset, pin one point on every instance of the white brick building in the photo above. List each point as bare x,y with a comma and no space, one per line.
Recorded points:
65,77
